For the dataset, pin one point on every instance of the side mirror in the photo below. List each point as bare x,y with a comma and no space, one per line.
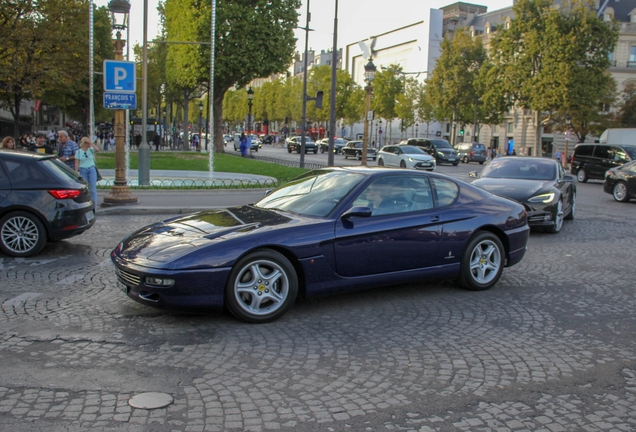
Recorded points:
267,192
568,178
357,211
473,174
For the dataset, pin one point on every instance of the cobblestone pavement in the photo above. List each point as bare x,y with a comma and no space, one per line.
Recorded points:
550,348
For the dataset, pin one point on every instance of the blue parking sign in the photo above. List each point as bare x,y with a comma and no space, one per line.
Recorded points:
119,76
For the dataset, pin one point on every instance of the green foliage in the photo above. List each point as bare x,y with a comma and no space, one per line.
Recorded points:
627,111
195,161
553,60
253,39
44,53
451,90
387,86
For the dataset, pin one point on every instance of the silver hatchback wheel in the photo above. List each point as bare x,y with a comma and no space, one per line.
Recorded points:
21,234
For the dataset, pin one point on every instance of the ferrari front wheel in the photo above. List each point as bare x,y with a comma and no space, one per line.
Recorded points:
262,287
482,262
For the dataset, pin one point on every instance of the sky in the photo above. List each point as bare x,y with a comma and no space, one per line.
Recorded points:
356,20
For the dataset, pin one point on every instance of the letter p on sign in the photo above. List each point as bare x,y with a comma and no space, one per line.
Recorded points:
119,76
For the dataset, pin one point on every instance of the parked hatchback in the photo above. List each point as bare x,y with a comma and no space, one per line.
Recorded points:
41,200
440,149
591,161
471,152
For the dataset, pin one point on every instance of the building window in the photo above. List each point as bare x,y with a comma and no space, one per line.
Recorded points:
632,54
510,127
487,30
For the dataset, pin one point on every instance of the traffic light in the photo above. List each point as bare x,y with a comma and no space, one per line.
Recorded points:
461,132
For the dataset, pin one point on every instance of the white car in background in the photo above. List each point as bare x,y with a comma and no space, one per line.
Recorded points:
406,156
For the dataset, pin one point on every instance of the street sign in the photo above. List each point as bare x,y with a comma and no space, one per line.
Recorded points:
120,100
119,76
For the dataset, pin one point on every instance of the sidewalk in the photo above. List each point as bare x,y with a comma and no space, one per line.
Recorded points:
168,201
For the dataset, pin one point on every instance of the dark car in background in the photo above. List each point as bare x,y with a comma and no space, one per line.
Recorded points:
327,232
354,149
621,182
440,149
294,145
41,200
591,161
471,152
540,184
338,144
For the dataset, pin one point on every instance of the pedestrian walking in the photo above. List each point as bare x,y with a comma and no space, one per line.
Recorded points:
8,143
557,156
137,139
67,149
85,164
41,145
157,141
245,150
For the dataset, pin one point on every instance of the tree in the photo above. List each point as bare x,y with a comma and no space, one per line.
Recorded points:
553,60
451,88
253,39
626,116
387,85
41,50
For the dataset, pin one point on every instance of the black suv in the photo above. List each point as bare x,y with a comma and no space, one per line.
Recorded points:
590,161
440,149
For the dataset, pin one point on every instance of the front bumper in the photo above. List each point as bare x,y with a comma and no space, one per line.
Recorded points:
201,288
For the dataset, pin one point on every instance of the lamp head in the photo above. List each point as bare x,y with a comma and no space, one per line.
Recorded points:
250,93
119,10
369,71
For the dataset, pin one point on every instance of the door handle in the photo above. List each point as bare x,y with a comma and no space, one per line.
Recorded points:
434,218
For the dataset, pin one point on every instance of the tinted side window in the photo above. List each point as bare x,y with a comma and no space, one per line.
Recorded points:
601,152
446,191
618,154
25,174
584,150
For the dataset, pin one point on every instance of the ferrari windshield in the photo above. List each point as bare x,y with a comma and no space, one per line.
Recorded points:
313,194
520,168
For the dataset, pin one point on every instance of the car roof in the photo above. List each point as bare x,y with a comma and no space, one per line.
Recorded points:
20,155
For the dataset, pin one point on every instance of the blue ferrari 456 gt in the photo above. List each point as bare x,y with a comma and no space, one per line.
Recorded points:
329,231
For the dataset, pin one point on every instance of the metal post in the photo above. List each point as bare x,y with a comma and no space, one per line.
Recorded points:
120,193
365,142
332,98
304,115
144,149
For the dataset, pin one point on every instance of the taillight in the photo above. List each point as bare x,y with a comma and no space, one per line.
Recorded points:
472,154
65,193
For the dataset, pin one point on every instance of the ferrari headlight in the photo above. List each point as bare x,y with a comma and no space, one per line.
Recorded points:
543,198
160,282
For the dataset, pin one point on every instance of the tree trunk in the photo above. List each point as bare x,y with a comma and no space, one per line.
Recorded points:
537,141
16,118
218,121
186,121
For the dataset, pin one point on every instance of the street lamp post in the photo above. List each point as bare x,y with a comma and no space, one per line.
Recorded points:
250,97
369,74
120,193
380,133
417,131
568,122
200,116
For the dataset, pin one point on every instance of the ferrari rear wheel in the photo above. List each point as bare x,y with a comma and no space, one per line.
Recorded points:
482,262
262,287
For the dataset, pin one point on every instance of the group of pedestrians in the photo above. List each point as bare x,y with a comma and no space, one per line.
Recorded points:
79,158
